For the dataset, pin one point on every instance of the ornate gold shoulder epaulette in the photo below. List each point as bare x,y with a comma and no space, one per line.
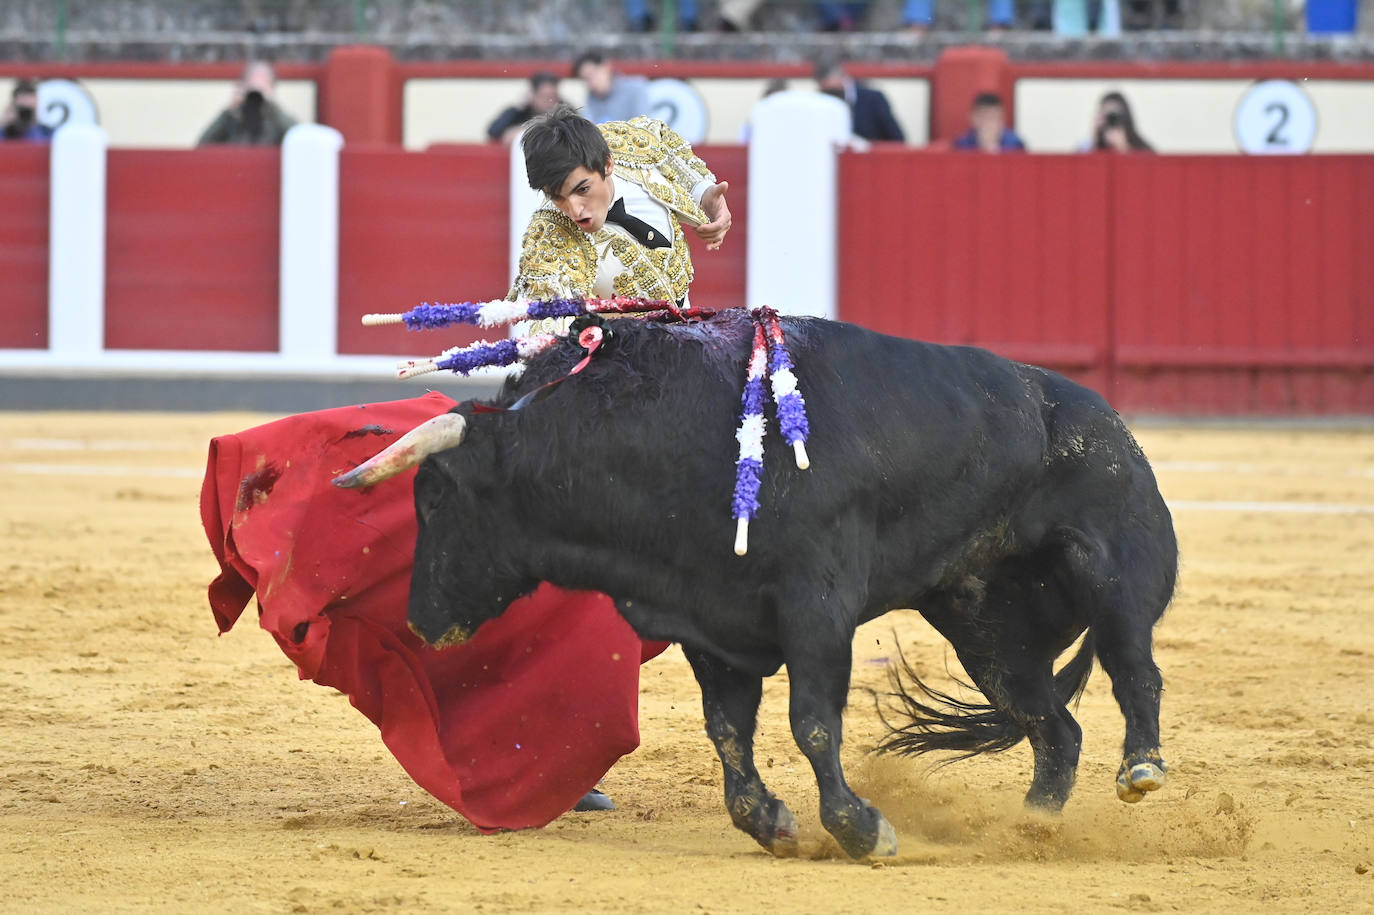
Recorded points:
632,143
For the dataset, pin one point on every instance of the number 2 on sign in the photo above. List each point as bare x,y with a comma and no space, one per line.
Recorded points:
1274,137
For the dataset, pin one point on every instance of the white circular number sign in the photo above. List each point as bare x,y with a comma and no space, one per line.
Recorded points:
678,105
1275,117
61,101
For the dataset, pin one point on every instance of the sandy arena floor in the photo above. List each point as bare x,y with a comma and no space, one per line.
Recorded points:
148,765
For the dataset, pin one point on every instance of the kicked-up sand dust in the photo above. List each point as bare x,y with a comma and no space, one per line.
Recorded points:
147,764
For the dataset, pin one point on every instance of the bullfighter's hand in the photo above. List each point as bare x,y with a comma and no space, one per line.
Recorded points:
713,203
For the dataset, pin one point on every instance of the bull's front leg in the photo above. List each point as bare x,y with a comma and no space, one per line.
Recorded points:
819,677
730,700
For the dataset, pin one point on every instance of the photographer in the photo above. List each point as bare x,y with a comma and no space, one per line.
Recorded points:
252,118
20,119
1114,128
541,99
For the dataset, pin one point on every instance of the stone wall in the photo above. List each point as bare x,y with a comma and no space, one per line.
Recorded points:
204,30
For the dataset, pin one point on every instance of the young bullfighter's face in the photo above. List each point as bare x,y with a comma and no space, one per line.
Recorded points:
586,196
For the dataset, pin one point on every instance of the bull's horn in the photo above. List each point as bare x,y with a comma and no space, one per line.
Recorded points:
444,431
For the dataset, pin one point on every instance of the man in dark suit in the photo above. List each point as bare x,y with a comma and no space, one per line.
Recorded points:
870,114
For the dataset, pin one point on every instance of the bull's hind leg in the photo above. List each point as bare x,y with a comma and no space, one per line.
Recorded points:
1012,667
1007,632
730,700
819,674
1123,647
1130,597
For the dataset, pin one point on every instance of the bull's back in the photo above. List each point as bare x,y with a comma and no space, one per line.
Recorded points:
933,424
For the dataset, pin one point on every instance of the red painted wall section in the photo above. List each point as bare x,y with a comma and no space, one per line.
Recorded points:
192,249
720,275
24,246
1174,284
420,227
1007,252
1245,283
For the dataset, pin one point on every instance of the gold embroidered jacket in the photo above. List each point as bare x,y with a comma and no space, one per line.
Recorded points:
558,259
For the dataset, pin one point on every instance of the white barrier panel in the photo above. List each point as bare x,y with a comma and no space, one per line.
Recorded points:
523,201
76,254
793,198
310,243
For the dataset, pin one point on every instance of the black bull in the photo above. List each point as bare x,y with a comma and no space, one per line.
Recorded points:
1008,505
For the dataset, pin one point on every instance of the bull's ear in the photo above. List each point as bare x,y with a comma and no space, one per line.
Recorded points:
437,434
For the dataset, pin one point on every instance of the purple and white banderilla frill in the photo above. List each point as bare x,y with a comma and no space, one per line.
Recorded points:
769,364
768,360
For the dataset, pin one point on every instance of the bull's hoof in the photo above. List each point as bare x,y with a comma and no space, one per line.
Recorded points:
784,844
886,846
1132,782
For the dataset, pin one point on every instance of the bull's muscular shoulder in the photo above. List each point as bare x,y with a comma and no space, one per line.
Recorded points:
557,258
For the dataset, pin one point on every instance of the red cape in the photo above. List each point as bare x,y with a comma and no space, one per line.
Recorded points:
510,729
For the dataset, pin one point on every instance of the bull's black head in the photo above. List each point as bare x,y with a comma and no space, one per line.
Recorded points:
467,550
461,576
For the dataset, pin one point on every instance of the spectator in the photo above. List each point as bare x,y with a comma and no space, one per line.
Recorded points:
870,114
542,98
641,18
20,119
252,118
1114,128
611,96
988,131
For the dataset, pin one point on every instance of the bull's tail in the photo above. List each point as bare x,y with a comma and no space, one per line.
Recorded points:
920,718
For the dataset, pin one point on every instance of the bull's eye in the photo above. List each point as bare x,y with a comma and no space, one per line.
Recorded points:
428,504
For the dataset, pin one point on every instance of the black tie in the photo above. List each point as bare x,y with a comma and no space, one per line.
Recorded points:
643,233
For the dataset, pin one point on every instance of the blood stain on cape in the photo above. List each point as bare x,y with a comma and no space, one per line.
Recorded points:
370,429
255,487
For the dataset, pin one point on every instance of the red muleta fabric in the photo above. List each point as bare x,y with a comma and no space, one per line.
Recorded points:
509,729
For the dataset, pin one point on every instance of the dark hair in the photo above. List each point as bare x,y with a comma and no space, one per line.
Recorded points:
557,144
587,57
987,100
23,86
543,78
1133,137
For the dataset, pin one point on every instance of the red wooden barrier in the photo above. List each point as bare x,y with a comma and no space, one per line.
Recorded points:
192,249
1007,252
1245,283
420,227
24,246
1176,284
